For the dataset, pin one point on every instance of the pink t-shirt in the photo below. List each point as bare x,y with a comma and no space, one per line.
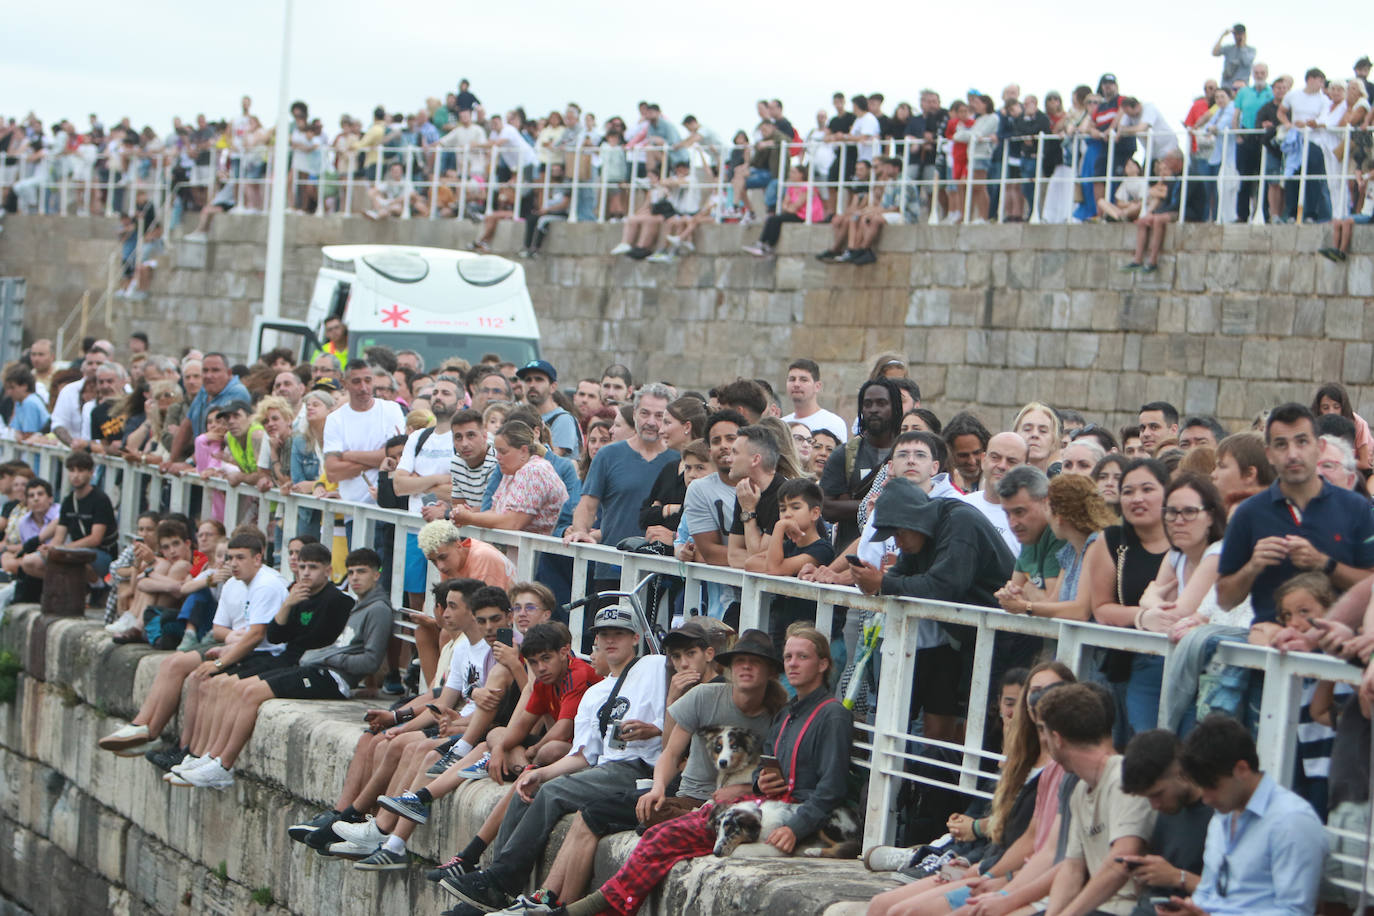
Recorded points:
794,197
1047,802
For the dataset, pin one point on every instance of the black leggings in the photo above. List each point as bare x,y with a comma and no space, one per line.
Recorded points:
772,227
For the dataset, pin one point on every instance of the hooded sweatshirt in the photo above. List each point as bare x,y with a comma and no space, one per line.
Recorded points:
963,560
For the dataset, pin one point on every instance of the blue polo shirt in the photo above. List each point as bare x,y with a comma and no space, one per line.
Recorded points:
201,404
1339,523
1250,101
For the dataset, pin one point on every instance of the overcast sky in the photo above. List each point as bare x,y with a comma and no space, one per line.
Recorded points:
156,58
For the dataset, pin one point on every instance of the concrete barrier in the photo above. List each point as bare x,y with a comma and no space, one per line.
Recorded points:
82,830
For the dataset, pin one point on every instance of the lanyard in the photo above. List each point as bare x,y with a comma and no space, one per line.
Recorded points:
1295,512
796,746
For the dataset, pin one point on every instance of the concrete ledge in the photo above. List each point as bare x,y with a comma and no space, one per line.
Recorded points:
132,844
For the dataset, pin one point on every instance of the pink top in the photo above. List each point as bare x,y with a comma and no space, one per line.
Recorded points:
536,490
794,197
1047,802
206,450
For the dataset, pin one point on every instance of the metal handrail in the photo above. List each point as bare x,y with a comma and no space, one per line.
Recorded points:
887,755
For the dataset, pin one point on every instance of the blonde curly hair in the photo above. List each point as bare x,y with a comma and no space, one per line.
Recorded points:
437,535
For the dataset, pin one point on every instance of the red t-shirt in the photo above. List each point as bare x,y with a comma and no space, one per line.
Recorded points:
560,700
198,561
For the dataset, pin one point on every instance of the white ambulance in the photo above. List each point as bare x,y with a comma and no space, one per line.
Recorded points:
435,301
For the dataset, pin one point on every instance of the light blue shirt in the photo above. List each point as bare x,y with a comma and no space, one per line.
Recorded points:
1273,859
30,415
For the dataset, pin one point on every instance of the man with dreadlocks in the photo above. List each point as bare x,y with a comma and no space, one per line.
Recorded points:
850,471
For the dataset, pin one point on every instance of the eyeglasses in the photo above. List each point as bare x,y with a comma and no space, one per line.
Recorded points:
1084,431
526,607
802,440
1187,513
1224,876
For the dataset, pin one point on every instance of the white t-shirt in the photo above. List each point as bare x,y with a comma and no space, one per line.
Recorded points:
994,513
515,150
867,125
1161,137
822,419
244,604
641,697
468,669
435,458
349,430
1303,107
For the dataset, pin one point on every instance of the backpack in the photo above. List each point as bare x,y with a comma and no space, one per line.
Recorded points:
577,428
851,460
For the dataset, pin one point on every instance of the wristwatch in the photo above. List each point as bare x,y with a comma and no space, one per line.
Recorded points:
1330,566
745,516
219,664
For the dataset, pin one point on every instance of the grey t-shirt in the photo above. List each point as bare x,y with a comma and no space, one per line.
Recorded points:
702,706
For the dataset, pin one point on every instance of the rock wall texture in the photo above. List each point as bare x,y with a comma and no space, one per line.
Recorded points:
1238,318
84,831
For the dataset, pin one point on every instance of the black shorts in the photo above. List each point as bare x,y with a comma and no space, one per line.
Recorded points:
256,665
936,689
308,682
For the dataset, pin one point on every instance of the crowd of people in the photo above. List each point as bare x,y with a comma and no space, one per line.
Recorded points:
1248,148
1172,525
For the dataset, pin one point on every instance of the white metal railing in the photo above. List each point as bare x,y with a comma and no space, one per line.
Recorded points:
881,748
481,183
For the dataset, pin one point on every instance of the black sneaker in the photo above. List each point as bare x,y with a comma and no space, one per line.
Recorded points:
479,889
463,909
1340,256
829,254
392,686
864,256
166,758
639,254
451,756
1149,268
299,832
450,869
1132,267
847,257
322,838
383,860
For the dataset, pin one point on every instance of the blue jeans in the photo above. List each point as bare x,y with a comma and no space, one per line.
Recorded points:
1205,171
1142,692
1317,200
1094,154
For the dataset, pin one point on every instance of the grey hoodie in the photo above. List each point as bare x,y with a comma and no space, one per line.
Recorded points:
361,647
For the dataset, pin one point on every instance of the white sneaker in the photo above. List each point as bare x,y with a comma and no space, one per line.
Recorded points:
366,834
211,776
688,246
622,248
189,763
674,241
195,237
126,621
888,858
136,295
124,737
660,257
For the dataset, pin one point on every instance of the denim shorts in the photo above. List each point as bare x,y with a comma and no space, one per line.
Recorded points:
758,178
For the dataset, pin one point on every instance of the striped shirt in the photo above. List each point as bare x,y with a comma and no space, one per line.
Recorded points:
470,484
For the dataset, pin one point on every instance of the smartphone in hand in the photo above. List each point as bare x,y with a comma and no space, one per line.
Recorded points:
853,559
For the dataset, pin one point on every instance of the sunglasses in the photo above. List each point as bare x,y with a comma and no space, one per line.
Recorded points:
1036,693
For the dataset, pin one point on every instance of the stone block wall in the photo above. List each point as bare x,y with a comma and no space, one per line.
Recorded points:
84,831
1237,318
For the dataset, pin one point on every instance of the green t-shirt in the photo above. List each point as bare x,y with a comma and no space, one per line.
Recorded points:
1039,561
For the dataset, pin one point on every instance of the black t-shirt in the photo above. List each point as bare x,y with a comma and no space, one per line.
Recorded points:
467,101
107,424
1269,111
79,515
821,552
314,623
1027,127
784,127
767,509
835,484
840,124
1179,839
919,125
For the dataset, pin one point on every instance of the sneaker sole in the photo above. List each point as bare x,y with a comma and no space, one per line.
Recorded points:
474,776
388,866
135,750
174,780
471,901
111,743
350,853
